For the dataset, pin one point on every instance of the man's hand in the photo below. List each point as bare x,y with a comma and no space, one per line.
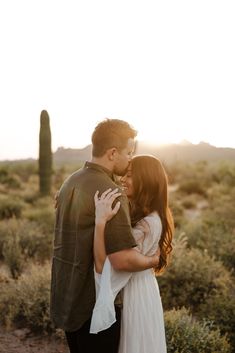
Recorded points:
156,257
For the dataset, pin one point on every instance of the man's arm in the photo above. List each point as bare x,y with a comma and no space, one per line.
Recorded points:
131,260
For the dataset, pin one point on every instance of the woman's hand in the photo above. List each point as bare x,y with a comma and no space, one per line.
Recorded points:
103,205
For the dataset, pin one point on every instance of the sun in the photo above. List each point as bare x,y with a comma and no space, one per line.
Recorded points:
158,134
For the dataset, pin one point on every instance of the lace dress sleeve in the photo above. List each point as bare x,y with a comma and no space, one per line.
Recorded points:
140,231
147,233
108,285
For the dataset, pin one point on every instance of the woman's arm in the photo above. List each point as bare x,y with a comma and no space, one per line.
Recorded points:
129,260
103,213
99,248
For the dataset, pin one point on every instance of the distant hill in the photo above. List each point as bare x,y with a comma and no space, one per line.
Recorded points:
71,155
184,151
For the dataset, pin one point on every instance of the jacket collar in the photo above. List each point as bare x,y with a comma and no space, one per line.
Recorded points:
100,168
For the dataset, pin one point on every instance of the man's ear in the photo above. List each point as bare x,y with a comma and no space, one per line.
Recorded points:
111,153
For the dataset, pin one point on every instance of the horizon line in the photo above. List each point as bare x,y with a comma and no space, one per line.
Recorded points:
183,142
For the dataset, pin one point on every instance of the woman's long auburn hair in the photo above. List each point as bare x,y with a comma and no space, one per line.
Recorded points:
150,193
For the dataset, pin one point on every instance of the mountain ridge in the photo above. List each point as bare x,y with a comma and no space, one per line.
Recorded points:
185,151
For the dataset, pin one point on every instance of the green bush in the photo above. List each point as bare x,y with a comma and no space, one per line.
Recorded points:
188,203
214,235
10,180
30,196
199,282
220,308
192,277
224,173
10,207
9,303
33,241
224,210
192,186
43,213
13,256
186,335
27,300
23,169
177,212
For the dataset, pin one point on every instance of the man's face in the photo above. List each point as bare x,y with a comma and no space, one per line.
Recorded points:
123,158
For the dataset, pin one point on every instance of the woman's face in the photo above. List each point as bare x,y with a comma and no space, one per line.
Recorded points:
126,181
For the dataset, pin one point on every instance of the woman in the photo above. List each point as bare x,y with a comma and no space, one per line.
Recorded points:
142,330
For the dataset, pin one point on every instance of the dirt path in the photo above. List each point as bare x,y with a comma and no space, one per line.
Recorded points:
22,341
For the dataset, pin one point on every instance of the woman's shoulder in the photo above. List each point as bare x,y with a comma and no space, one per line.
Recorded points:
154,222
148,229
153,218
149,222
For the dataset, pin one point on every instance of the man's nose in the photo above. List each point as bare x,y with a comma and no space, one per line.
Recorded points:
123,178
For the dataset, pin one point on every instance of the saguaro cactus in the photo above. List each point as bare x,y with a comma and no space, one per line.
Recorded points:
45,154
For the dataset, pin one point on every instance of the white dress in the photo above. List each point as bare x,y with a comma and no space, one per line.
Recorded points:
142,325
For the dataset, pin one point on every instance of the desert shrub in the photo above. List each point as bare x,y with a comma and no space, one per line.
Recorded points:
200,170
13,256
27,299
220,308
10,180
191,278
32,240
213,234
24,169
59,177
199,282
30,196
224,173
177,212
178,169
9,229
10,207
43,216
3,173
9,304
192,186
35,294
43,213
223,208
189,202
184,334
4,278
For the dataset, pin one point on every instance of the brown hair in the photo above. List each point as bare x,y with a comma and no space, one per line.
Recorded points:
111,133
150,193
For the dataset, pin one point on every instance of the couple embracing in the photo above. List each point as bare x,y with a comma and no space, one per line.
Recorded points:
113,233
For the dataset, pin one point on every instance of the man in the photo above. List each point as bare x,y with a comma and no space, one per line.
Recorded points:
72,285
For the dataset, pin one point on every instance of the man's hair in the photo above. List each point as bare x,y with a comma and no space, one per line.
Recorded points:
111,133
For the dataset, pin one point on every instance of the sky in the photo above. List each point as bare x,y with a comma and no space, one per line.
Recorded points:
167,67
